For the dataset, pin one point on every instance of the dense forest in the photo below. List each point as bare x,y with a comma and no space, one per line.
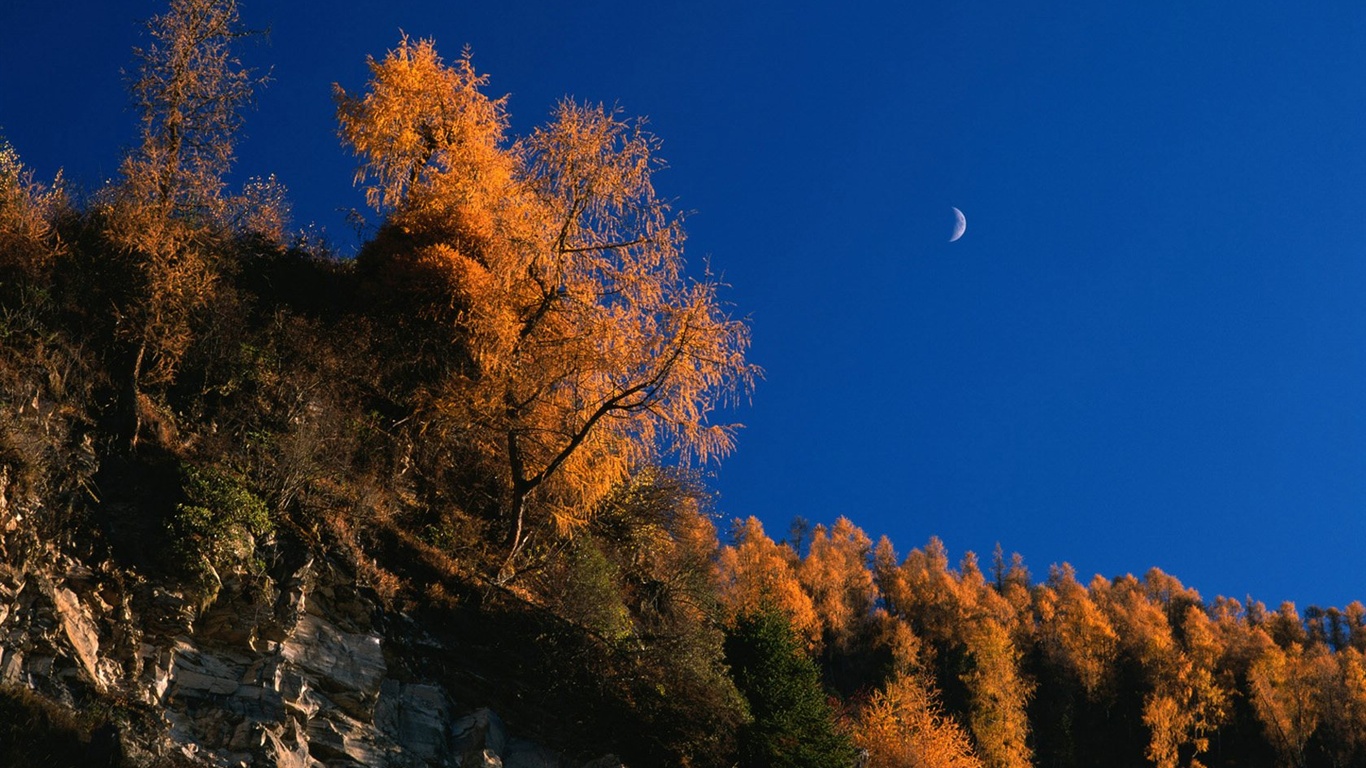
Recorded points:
500,408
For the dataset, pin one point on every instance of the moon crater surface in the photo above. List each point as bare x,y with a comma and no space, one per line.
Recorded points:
960,225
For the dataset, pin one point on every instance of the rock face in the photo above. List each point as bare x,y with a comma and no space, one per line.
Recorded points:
304,683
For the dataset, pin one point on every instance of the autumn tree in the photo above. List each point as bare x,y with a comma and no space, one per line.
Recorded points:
28,209
1285,626
1344,707
903,726
1355,619
922,590
1190,699
584,351
755,573
999,693
1012,580
1284,690
1169,650
1075,634
190,88
1072,660
967,623
835,573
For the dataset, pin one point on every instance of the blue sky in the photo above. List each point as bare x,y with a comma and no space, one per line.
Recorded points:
1148,349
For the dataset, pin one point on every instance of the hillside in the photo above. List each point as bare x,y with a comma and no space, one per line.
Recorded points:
444,503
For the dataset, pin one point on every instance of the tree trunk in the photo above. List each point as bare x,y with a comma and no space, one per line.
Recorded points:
518,513
134,391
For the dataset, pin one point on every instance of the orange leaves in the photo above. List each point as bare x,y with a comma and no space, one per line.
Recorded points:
189,87
27,210
755,574
422,124
1075,633
1283,686
593,169
835,573
585,351
902,726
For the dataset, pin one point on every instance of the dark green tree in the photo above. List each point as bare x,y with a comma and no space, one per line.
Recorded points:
794,725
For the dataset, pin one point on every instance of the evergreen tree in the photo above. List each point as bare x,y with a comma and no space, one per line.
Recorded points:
793,724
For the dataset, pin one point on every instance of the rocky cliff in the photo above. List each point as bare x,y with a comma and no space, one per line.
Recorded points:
306,671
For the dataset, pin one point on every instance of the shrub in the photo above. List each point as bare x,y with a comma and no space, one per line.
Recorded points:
215,530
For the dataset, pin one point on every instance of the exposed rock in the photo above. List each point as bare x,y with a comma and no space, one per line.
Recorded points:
347,662
286,747
338,736
417,716
197,674
299,683
12,667
79,630
478,738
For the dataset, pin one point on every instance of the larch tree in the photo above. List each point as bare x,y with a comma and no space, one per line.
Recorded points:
1285,626
1075,634
27,209
1012,581
586,351
835,573
903,726
757,574
190,89
966,622
1355,618
1344,707
1284,685
922,590
999,693
1190,699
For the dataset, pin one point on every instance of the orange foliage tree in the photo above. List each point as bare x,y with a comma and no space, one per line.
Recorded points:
960,615
757,574
1074,633
902,726
586,350
835,573
1164,630
190,88
27,209
1285,690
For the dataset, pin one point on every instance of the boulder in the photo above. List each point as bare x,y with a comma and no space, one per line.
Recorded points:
417,718
478,738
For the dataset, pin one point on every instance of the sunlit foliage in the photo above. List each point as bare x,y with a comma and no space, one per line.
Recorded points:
189,88
835,573
585,351
756,574
28,210
903,726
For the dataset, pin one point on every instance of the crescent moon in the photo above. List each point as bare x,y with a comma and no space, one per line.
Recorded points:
960,224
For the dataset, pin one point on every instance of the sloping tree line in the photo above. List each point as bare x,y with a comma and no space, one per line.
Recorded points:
946,666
